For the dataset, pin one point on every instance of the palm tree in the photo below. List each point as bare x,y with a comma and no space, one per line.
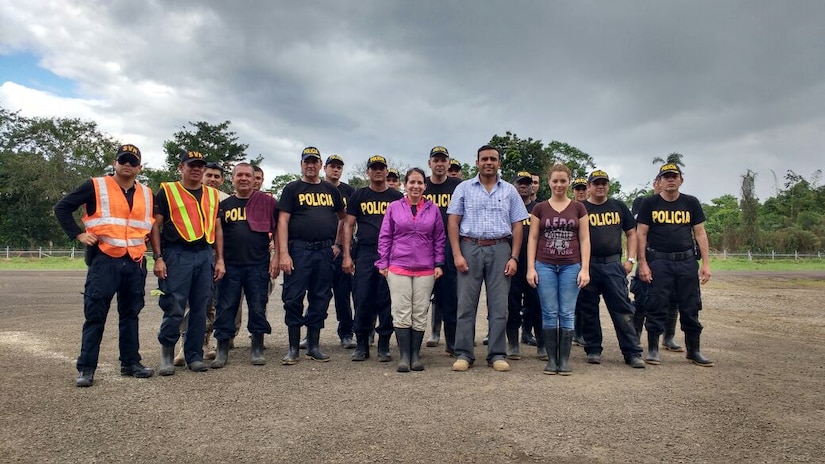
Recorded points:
673,158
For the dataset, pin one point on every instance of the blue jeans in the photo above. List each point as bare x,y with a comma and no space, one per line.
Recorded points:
189,281
558,292
254,281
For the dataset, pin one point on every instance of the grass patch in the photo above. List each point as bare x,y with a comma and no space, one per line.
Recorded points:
767,265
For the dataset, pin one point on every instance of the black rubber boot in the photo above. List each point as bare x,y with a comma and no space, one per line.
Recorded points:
551,343
384,348
222,355
167,357
362,347
653,349
403,337
257,354
449,338
578,336
693,352
313,350
541,348
435,335
415,351
668,342
638,320
512,344
292,356
565,344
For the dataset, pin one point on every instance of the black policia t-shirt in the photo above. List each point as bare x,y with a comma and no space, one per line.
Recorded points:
369,207
671,222
607,223
441,194
241,246
346,191
314,210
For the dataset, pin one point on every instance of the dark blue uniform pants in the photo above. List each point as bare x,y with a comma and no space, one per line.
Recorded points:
312,277
342,294
445,296
679,278
522,296
107,276
610,281
254,281
371,294
189,279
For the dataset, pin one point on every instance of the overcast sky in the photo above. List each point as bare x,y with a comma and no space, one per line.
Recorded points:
731,85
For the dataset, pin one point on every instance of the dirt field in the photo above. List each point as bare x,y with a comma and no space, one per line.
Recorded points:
764,401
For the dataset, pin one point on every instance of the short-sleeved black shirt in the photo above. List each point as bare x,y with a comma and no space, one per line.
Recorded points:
607,223
671,222
369,207
169,234
241,246
346,191
314,210
441,194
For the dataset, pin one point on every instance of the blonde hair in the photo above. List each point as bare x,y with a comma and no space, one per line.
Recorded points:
559,167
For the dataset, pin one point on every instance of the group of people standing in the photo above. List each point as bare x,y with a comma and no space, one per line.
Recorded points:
398,254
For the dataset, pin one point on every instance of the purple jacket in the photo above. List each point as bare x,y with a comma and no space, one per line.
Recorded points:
413,244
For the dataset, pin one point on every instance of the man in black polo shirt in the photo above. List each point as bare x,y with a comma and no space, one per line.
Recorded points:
669,223
310,223
366,208
439,189
608,273
341,282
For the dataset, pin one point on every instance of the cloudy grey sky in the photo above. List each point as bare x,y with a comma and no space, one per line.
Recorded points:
731,85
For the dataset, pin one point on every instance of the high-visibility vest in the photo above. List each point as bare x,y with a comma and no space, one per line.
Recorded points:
193,221
118,228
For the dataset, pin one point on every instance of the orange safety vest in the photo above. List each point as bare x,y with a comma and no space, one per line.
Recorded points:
118,228
193,221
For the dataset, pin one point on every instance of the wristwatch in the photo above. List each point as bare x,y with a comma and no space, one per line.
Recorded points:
631,260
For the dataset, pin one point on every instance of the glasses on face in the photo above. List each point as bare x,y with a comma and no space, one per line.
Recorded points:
128,160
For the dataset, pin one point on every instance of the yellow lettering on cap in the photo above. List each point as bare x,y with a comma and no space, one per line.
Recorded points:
129,148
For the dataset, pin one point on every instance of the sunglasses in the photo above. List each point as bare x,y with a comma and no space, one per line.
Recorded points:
128,160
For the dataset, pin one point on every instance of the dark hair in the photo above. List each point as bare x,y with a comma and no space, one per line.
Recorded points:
412,170
487,147
256,168
214,165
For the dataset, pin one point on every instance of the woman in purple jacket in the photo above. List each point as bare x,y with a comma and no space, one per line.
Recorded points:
410,256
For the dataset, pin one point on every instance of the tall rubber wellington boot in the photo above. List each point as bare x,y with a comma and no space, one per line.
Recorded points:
403,337
384,348
294,335
167,366
565,344
257,352
362,347
313,348
513,344
668,341
693,352
222,355
551,342
653,349
415,350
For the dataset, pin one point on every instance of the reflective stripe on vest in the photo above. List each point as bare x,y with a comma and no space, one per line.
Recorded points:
116,225
191,219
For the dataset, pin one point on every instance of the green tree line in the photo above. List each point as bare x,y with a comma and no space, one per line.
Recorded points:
42,159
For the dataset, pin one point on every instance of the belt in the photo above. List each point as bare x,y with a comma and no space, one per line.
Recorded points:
677,256
606,259
304,245
485,241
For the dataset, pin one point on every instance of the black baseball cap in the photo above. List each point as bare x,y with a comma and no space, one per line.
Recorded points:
334,159
581,182
439,151
377,159
392,172
128,151
192,157
669,168
310,152
523,175
597,174
455,165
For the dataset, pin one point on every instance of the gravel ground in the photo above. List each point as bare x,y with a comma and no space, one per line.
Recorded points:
762,402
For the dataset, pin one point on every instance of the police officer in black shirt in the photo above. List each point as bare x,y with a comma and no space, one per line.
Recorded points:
341,282
608,218
247,219
310,225
668,225
523,299
371,294
439,189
